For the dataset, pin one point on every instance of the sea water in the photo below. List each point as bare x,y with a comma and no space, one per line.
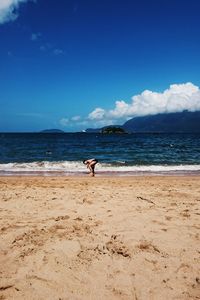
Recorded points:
119,154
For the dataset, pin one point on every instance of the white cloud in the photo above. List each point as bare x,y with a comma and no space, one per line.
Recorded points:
177,98
8,10
35,36
76,118
43,48
49,48
64,122
73,121
97,114
58,51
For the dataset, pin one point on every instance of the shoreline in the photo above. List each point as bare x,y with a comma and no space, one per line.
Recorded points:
76,168
100,174
111,237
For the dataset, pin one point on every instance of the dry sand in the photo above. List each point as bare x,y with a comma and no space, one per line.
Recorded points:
99,238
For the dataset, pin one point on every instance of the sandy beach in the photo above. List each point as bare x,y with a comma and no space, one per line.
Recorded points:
100,238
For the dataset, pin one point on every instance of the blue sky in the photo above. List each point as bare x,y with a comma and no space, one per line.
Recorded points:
73,64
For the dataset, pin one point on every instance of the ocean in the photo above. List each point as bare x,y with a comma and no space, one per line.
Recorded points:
118,154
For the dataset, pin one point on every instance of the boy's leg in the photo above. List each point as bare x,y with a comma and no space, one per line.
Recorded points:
92,167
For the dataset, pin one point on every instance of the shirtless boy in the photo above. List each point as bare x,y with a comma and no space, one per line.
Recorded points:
90,163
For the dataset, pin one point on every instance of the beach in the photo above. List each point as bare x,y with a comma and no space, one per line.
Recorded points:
79,237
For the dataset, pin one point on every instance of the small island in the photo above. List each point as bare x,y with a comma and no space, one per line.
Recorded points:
113,129
52,131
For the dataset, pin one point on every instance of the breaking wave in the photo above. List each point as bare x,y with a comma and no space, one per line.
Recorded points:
77,168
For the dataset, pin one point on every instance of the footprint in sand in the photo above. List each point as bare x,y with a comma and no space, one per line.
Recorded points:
59,218
87,201
168,218
148,246
185,213
115,246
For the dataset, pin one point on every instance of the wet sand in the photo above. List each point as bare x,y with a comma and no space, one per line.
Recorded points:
100,238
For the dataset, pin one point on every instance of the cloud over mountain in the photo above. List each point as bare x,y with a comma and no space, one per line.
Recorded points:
177,98
8,10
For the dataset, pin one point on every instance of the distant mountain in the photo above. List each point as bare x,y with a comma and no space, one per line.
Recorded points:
52,131
93,130
171,122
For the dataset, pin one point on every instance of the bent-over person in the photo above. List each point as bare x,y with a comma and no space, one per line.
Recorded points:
90,163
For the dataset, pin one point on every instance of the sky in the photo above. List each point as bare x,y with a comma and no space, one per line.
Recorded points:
77,64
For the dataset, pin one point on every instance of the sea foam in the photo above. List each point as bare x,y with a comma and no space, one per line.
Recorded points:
76,167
